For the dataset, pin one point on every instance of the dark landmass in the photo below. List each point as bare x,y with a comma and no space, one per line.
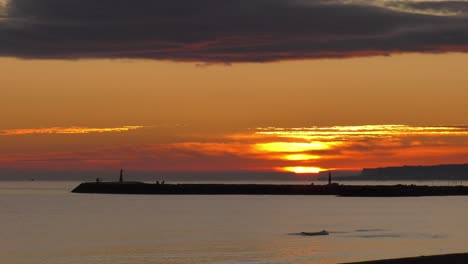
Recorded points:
436,172
270,189
461,258
459,171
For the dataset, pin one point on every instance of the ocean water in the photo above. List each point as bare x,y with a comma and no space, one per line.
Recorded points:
42,222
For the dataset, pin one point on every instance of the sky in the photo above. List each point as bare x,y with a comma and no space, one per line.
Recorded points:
262,85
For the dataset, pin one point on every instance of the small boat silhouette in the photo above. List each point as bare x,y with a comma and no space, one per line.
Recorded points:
321,233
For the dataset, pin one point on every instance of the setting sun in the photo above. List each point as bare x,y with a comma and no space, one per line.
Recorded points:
303,170
233,131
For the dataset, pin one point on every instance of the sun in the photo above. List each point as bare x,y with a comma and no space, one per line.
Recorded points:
303,170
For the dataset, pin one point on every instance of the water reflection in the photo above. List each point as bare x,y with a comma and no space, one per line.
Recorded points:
50,225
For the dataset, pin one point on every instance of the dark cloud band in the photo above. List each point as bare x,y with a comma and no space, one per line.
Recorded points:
227,31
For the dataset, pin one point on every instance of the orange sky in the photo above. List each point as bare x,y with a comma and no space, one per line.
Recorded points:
161,115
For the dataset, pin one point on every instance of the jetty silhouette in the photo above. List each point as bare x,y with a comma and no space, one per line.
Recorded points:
134,187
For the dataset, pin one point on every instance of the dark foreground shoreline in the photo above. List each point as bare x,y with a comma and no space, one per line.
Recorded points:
269,189
459,258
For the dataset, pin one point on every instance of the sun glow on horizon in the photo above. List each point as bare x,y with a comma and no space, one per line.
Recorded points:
303,170
340,143
298,150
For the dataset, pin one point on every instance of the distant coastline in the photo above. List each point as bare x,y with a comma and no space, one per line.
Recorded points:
410,173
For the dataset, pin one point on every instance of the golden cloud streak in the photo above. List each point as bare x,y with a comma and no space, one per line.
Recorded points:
66,130
362,131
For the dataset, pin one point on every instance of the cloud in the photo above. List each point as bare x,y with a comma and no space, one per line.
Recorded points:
228,31
431,7
2,10
65,130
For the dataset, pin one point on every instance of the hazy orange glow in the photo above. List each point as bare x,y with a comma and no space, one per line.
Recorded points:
66,130
206,118
297,150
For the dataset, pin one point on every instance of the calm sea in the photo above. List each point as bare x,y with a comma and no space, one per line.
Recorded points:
42,222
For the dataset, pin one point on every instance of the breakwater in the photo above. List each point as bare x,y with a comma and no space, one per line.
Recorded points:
269,189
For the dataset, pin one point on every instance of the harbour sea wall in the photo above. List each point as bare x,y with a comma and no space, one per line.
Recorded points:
269,189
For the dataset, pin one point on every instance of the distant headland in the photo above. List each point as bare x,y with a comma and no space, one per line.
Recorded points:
435,172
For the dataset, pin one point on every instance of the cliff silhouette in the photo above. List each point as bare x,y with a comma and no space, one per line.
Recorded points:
435,172
455,172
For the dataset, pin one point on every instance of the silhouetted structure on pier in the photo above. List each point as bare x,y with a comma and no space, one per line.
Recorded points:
121,175
329,178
